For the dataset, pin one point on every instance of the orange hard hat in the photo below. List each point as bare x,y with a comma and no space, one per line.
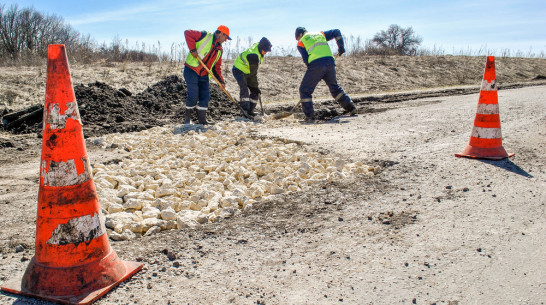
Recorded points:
224,29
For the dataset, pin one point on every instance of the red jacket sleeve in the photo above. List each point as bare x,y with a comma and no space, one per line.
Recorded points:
191,37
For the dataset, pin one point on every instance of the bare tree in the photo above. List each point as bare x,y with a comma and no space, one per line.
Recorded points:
25,35
401,40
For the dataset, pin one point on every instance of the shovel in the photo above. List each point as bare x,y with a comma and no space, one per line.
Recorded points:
261,106
282,115
245,114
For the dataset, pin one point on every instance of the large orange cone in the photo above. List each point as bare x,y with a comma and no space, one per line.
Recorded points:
486,139
73,262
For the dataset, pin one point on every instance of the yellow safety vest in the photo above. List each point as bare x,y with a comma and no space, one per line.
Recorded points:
241,62
203,47
316,46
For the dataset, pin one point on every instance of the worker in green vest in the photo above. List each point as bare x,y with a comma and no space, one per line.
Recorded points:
245,71
208,46
317,56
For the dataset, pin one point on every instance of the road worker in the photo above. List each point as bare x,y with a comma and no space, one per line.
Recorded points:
208,47
245,71
318,58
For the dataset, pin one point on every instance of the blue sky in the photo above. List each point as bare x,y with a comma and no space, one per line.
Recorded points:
448,25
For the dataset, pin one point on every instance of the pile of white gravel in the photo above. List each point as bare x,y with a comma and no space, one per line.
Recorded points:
192,176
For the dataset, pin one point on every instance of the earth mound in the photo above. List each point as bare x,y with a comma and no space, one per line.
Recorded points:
104,109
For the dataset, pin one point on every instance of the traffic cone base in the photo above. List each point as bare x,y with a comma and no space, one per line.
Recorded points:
15,286
484,153
73,261
486,137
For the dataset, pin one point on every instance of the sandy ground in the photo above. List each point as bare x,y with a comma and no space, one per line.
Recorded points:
280,77
429,229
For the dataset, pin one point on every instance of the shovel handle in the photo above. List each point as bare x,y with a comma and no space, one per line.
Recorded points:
216,80
222,87
262,106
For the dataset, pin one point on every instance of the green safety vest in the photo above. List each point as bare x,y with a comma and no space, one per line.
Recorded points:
203,47
241,62
316,46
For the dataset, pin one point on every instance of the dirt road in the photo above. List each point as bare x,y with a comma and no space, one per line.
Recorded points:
430,228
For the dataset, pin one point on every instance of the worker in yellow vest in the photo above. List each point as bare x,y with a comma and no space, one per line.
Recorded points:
208,46
245,71
318,58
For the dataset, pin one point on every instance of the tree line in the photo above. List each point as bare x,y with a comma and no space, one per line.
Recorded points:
26,33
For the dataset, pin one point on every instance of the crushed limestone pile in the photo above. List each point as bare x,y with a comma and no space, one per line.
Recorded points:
174,181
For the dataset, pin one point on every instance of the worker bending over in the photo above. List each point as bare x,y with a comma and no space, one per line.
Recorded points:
317,56
208,47
245,71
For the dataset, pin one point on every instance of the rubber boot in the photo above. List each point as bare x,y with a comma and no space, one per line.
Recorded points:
308,109
202,117
309,119
348,105
244,107
187,117
251,108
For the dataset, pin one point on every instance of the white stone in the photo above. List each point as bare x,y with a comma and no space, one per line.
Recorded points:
229,201
125,189
166,191
115,208
187,218
128,235
150,212
153,230
119,220
168,214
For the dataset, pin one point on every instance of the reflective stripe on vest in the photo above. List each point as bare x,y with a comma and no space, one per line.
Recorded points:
242,64
203,47
316,46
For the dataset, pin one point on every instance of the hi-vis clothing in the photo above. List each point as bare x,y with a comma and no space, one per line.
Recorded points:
203,47
195,75
316,46
209,50
245,71
316,54
242,63
320,54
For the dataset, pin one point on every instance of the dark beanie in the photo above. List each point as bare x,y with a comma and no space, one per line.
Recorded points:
265,44
300,30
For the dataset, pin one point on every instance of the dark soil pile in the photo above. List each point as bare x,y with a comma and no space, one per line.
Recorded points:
104,109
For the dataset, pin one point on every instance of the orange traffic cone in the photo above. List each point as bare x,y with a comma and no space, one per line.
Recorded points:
486,138
73,262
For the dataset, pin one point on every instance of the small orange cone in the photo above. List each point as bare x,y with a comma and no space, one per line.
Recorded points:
73,261
486,139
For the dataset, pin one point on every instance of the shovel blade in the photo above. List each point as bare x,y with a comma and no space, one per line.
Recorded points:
281,115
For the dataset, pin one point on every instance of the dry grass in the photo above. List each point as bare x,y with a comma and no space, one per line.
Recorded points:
280,77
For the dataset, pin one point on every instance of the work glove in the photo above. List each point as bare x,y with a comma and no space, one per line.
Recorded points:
340,51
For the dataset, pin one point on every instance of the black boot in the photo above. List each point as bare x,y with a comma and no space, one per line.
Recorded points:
244,105
348,105
244,108
202,117
187,117
251,108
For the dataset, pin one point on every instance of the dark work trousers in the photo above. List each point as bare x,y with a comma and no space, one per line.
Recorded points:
245,97
198,90
312,77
